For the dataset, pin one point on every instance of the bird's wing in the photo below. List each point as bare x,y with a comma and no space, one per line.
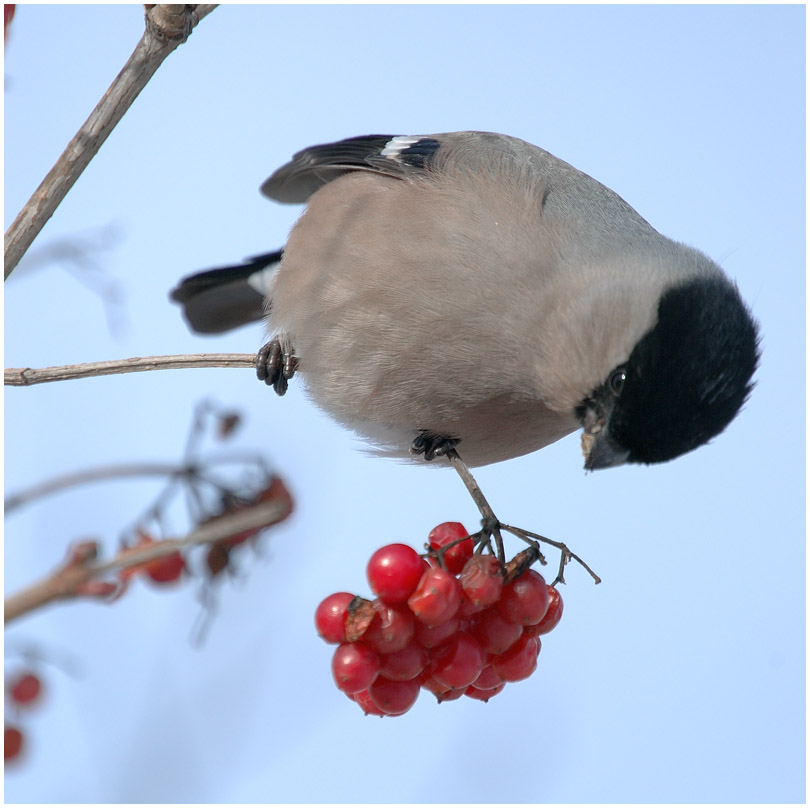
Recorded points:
390,155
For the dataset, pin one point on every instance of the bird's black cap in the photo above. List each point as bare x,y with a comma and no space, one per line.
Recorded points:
688,377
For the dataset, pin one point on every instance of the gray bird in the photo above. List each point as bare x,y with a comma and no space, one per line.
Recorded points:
472,290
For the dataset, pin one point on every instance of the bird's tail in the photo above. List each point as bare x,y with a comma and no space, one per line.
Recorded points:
220,299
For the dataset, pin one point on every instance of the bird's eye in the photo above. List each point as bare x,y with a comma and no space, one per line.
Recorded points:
617,382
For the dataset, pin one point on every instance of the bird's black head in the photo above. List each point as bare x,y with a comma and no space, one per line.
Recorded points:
683,383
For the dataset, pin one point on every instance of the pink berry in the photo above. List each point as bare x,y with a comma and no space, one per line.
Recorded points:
330,617
436,598
525,600
394,571
354,667
482,580
459,554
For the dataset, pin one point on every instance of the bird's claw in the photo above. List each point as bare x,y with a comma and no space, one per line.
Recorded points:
276,365
431,445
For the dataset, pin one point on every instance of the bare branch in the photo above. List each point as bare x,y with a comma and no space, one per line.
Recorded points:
91,475
82,567
167,26
21,377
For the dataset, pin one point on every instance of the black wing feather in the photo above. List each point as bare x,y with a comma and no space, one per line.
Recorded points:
312,168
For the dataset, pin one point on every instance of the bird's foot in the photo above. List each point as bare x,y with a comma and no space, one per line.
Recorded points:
431,445
276,365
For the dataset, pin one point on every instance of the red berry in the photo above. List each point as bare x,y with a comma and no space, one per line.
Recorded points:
427,682
437,597
459,554
330,617
354,666
394,571
391,629
363,699
394,698
494,632
484,695
8,16
433,636
525,600
458,663
165,570
405,664
553,615
12,742
450,695
488,680
482,580
26,688
519,662
468,609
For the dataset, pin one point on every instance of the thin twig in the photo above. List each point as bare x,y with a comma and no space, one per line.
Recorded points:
21,377
167,26
565,554
68,579
111,472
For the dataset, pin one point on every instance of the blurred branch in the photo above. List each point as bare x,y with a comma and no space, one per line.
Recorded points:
91,475
80,255
167,26
21,377
82,567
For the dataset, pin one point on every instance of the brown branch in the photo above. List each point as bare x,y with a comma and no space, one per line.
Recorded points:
21,377
82,567
167,26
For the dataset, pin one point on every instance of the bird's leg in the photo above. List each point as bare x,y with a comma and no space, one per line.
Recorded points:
491,526
276,365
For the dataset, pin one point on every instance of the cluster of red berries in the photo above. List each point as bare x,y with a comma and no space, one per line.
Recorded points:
24,690
453,622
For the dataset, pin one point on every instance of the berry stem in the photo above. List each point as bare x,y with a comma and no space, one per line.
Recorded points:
565,554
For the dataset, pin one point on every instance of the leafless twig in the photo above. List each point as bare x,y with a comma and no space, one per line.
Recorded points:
21,377
167,26
89,476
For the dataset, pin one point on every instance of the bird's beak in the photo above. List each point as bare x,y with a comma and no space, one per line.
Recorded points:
599,449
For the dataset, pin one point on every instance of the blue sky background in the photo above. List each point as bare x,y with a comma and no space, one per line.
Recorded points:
681,678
